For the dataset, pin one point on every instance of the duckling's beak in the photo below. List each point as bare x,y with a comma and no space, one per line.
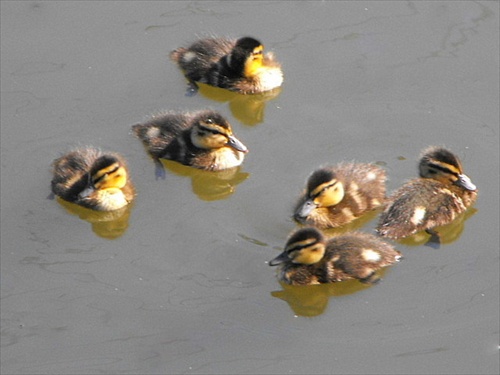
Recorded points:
86,192
283,257
305,210
465,182
236,144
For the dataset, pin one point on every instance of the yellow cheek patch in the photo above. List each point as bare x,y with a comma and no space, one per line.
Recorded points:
212,141
104,171
309,255
323,186
328,194
115,179
254,62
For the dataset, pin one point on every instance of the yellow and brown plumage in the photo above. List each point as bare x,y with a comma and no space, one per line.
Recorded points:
93,178
438,197
202,139
337,195
235,64
309,258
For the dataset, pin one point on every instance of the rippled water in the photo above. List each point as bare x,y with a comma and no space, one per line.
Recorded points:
178,283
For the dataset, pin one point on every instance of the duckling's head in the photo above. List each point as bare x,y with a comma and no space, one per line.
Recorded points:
323,190
247,56
305,246
107,173
442,165
212,131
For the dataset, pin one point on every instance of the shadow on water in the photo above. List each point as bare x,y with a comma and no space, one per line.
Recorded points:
209,185
312,300
249,109
106,224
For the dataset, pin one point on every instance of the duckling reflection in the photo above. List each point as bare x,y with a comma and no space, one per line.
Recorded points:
248,109
209,185
447,233
313,300
105,224
354,226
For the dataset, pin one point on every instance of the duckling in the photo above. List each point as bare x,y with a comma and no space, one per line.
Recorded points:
337,195
93,178
202,139
437,198
309,258
237,65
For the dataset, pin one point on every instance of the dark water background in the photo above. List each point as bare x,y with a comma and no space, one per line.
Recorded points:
179,283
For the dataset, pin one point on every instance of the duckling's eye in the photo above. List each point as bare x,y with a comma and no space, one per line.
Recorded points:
209,121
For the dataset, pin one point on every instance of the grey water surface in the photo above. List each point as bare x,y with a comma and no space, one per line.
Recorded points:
178,283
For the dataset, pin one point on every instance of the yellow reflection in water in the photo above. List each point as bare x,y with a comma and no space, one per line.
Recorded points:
312,300
448,233
353,225
249,109
106,224
209,185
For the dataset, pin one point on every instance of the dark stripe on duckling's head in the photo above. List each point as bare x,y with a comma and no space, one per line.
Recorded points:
305,246
102,163
321,179
212,119
212,131
442,165
302,238
247,43
108,172
442,155
442,158
324,189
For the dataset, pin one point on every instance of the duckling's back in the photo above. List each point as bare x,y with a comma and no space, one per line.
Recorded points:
199,57
358,255
161,130
422,204
364,186
70,172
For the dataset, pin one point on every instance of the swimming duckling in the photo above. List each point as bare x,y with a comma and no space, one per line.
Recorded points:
92,178
309,258
237,65
201,139
335,196
439,196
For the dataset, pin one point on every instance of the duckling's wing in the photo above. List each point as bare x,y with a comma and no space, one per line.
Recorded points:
419,205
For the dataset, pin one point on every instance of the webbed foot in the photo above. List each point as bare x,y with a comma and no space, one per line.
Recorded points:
192,89
159,170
